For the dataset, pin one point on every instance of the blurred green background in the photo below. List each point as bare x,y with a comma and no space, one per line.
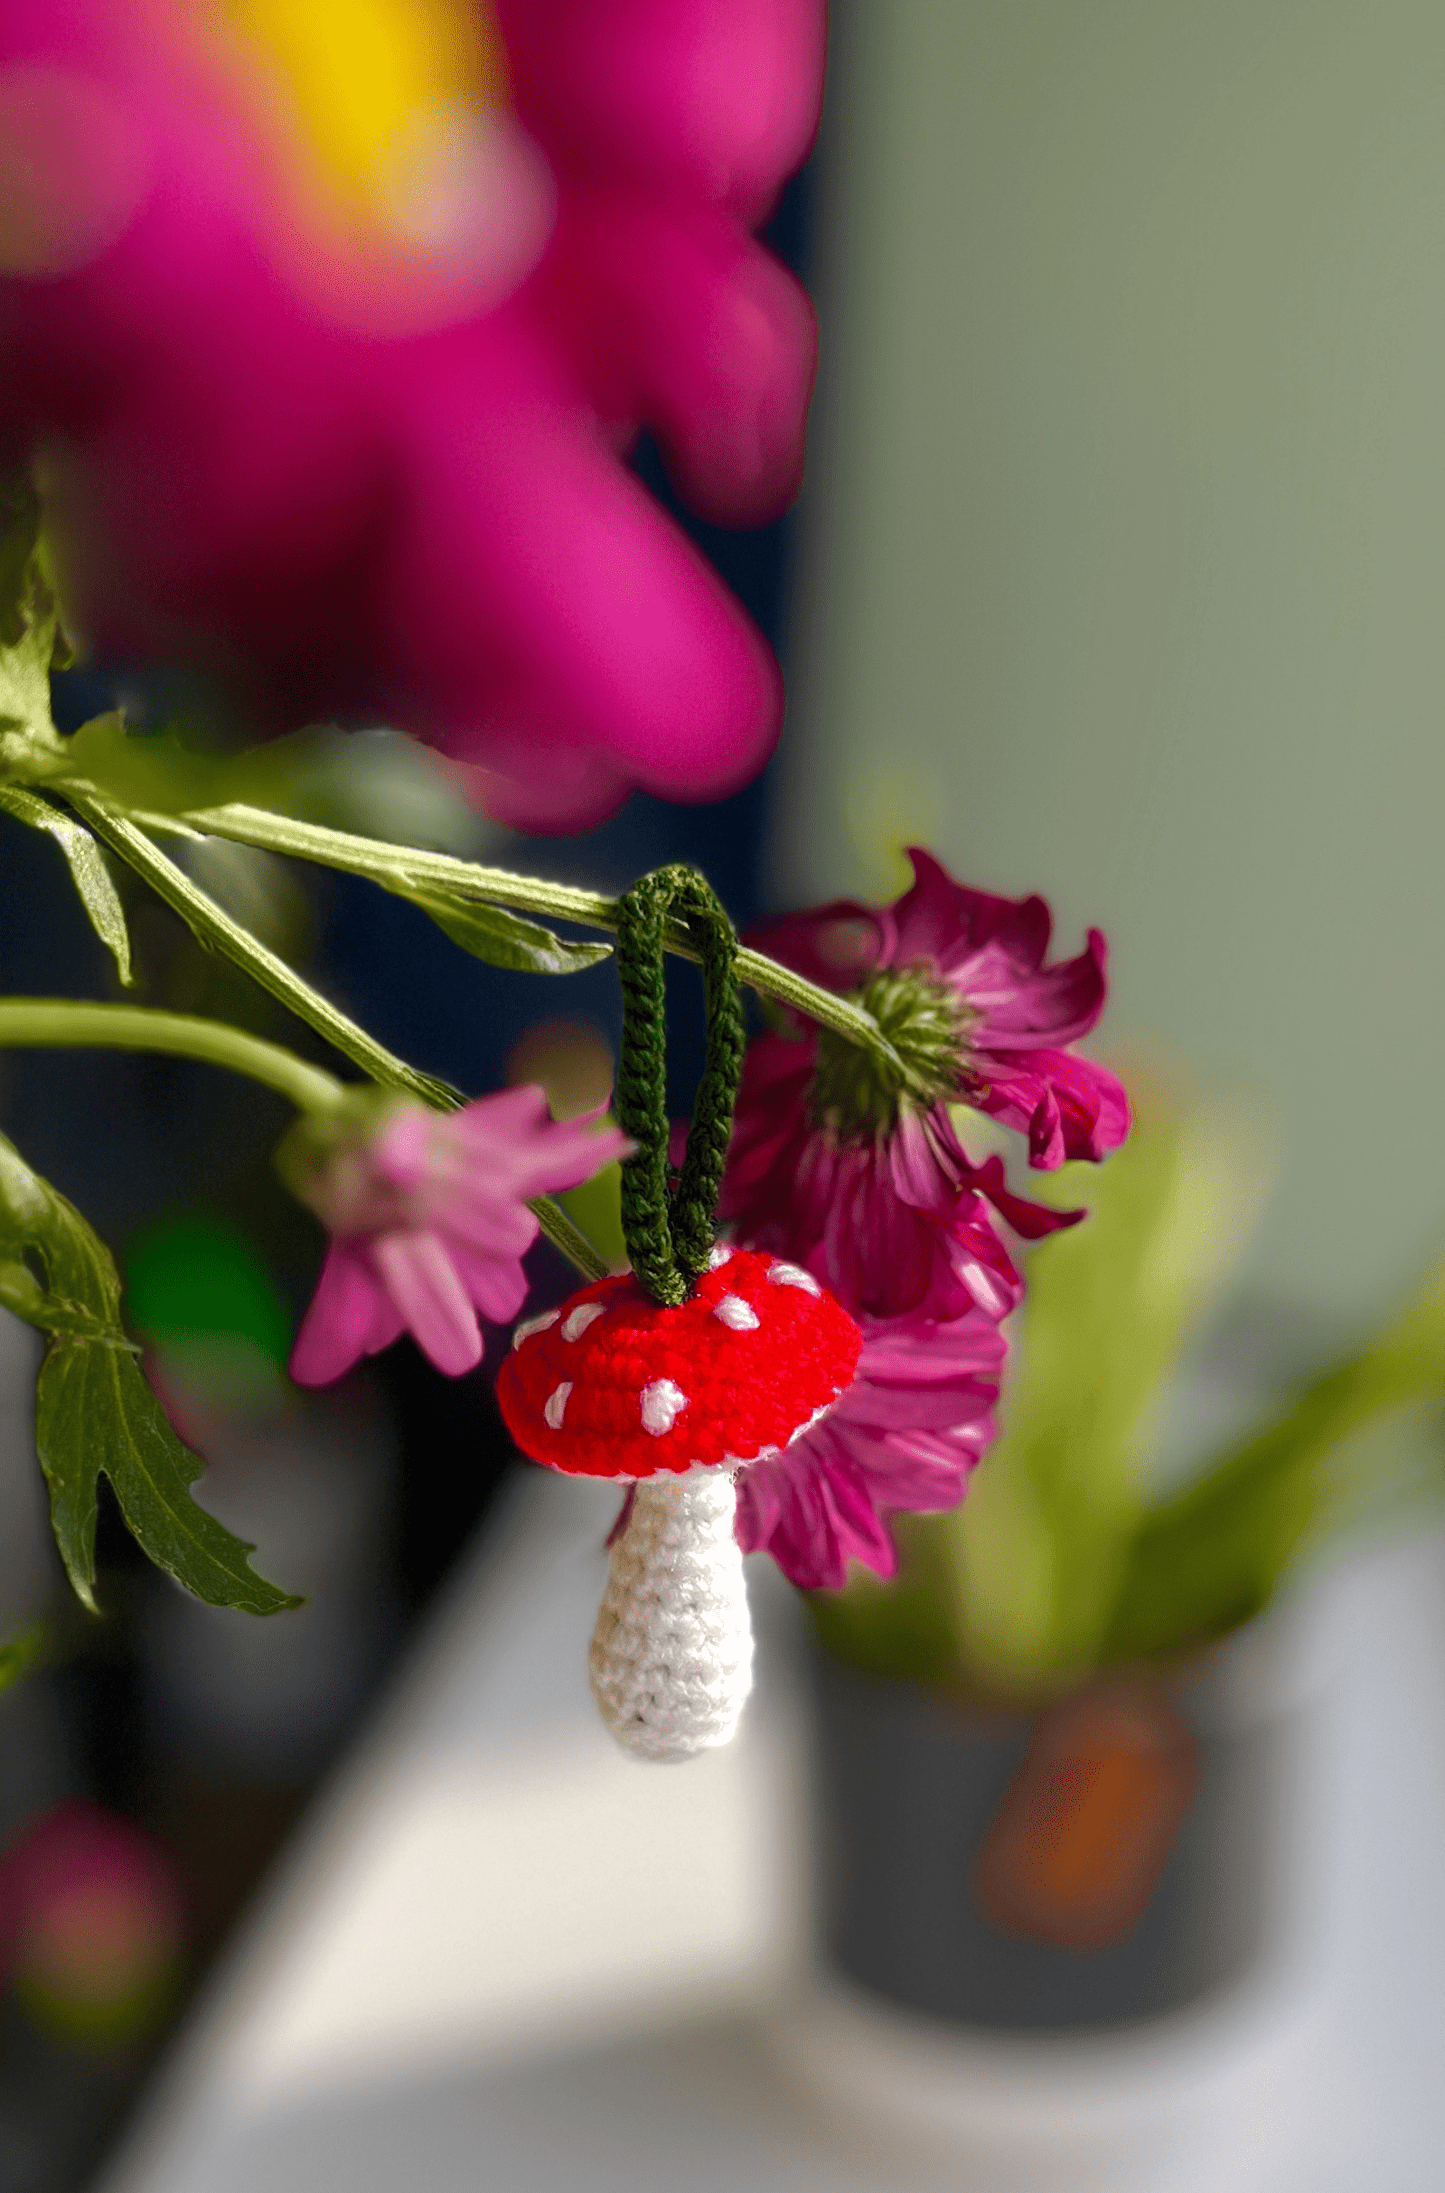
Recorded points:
1124,545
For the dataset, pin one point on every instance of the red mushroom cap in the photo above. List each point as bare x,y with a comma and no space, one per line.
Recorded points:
616,1385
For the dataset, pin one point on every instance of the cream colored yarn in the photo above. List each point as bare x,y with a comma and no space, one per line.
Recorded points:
671,1659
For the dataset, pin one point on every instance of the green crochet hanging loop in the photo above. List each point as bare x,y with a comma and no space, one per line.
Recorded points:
670,1231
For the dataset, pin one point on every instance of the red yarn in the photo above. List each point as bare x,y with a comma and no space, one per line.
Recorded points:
639,1387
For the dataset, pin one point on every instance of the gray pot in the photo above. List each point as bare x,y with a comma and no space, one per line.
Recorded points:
908,1785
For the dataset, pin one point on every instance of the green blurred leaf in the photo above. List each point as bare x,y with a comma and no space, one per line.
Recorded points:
596,1206
1008,1593
1042,1538
32,641
1212,1557
501,939
96,1415
154,775
379,783
88,872
18,1654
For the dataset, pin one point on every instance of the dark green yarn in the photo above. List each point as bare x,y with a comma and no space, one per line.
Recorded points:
669,1233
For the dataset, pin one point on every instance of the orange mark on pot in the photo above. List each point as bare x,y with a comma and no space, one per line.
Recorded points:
1082,1836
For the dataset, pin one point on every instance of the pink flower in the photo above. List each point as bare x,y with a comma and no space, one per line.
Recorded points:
905,1436
429,1221
891,1221
854,1168
343,319
959,981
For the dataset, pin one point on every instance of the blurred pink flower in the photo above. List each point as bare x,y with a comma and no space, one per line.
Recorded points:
429,1221
91,1922
337,323
903,1437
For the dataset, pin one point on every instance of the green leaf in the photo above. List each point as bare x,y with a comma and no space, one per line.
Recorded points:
1009,1593
88,872
95,1415
18,1654
499,938
1042,1538
31,638
227,799
155,776
1212,1557
379,783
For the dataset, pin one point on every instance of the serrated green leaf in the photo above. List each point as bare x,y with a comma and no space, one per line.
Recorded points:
96,1416
19,1653
88,872
500,938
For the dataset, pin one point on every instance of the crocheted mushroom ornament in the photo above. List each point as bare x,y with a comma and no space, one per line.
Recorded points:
677,1398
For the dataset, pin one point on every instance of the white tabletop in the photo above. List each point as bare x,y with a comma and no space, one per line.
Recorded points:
506,1955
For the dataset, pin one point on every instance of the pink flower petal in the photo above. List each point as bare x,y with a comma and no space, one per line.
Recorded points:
1068,1106
938,919
709,103
904,1436
1056,1006
310,445
350,1315
424,1285
496,1284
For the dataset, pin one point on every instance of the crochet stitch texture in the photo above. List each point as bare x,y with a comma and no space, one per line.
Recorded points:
671,1659
618,1385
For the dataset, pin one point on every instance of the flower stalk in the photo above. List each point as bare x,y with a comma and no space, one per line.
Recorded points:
70,1023
216,930
273,833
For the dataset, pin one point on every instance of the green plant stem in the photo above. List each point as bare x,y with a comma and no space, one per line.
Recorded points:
216,929
258,827
66,1023
567,1237
220,933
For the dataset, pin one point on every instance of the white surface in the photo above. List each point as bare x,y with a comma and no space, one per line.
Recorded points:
511,1957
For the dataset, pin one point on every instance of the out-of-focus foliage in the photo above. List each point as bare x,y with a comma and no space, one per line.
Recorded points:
96,1416
293,778
1063,1556
86,862
32,640
375,782
1210,1558
18,1654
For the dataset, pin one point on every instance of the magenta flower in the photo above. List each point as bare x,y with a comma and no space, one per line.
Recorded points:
892,1221
959,982
429,1220
344,318
904,1437
855,1169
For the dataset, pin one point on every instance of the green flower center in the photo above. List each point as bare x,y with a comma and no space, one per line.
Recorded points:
855,1094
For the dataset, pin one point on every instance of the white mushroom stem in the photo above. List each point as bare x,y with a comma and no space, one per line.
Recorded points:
671,1659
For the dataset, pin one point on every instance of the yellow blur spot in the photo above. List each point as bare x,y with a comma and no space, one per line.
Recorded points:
363,77
885,808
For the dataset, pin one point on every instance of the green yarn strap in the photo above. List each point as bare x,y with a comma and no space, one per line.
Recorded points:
669,1233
